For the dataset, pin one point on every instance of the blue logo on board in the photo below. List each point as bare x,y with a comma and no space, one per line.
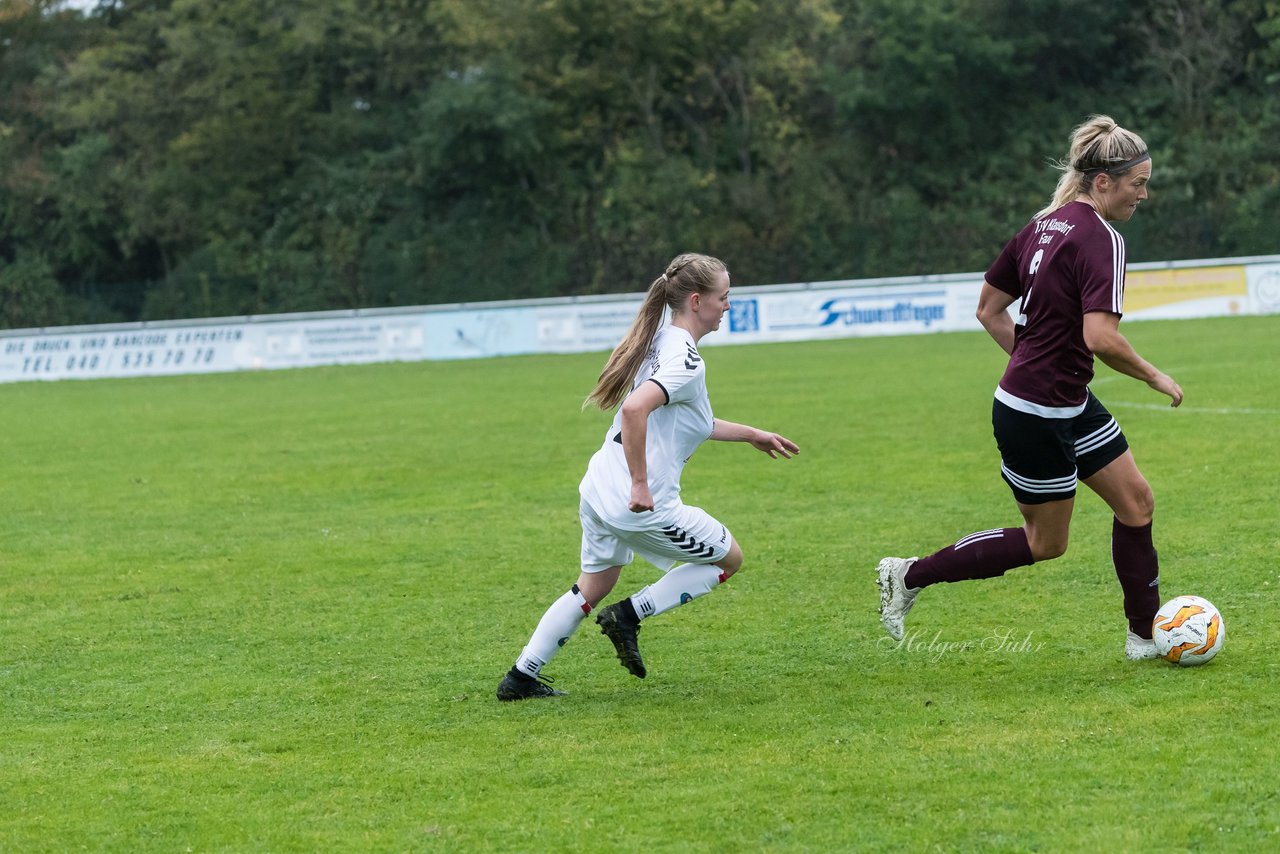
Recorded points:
744,315
922,309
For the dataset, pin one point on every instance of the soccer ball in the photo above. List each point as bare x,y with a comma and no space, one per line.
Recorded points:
1188,630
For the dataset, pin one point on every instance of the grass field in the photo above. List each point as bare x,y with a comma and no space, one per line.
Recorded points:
267,612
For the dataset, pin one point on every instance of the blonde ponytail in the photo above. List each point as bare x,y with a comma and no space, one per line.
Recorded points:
684,275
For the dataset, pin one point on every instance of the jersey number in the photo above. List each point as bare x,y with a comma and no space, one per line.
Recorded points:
1031,271
1035,262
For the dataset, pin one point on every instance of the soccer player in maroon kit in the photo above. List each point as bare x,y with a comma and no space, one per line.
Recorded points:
1066,269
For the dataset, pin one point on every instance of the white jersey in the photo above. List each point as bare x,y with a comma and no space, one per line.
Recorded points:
675,431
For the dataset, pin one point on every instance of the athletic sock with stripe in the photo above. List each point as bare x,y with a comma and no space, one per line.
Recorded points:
554,630
681,584
1138,569
985,554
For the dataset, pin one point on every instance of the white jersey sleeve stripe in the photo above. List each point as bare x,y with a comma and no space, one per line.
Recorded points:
1117,266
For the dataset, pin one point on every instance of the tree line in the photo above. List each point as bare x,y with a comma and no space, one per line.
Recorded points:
182,158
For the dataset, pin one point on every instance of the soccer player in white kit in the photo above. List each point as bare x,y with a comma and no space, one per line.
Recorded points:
630,496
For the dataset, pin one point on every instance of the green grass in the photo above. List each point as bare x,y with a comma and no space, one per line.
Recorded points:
267,612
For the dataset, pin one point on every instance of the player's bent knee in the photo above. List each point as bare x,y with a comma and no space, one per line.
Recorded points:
1146,505
1138,509
1047,548
732,561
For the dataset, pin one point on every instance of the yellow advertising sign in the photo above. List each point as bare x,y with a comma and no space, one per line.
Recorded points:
1152,288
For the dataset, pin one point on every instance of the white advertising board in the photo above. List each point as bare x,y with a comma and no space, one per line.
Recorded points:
208,348
847,310
1264,289
121,353
795,312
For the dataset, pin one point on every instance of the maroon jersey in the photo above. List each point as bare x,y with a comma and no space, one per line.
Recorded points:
1062,266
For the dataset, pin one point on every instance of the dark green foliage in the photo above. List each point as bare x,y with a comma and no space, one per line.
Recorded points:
169,159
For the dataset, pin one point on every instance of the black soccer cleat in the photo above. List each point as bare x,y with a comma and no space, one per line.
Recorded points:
620,627
517,685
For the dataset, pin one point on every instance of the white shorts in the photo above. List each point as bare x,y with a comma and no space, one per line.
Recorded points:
690,535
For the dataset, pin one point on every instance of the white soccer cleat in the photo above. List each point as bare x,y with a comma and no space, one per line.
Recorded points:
1139,649
896,598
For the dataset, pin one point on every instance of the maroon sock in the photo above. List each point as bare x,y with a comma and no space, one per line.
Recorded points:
1138,569
985,554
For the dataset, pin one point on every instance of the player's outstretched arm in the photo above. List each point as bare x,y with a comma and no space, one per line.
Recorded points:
772,444
1102,336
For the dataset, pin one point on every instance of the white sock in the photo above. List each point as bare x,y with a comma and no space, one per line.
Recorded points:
684,583
553,631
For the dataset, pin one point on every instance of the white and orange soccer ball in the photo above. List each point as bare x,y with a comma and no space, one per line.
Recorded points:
1188,630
